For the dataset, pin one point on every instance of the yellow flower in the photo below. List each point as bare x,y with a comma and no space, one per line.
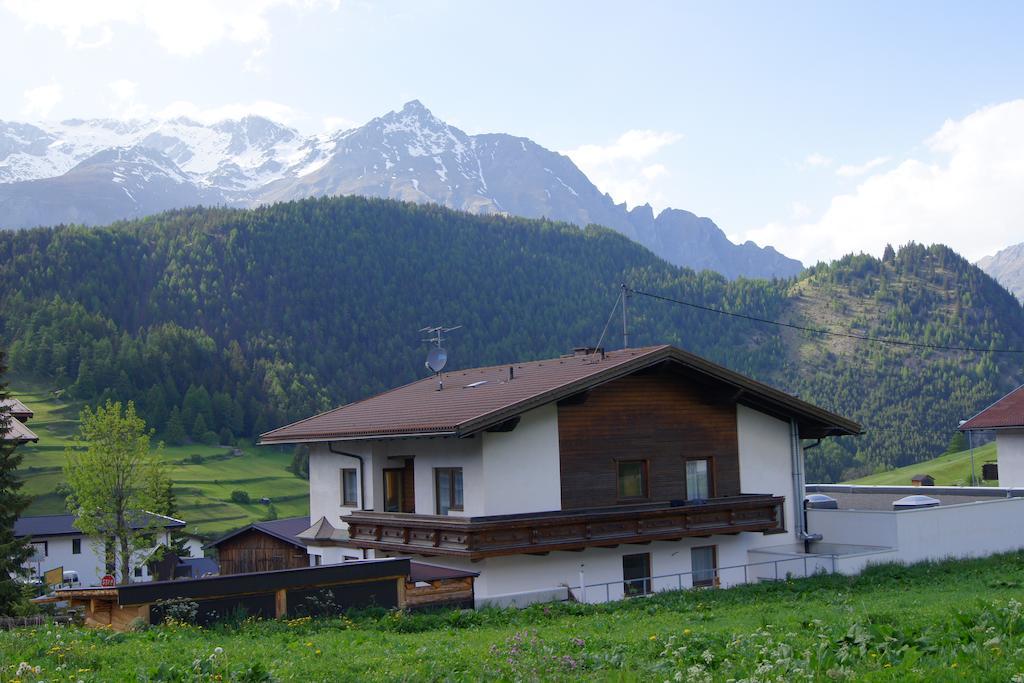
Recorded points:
318,651
687,631
653,638
309,644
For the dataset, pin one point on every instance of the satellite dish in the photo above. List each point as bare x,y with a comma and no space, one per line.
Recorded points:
436,359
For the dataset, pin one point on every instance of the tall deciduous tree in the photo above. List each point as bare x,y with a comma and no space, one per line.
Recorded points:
115,481
13,551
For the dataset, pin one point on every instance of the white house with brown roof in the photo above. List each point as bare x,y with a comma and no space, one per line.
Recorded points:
629,470
1006,418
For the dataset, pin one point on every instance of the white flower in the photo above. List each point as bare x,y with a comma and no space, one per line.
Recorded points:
218,650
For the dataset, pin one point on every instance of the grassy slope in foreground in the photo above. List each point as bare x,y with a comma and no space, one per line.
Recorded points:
203,489
956,620
952,469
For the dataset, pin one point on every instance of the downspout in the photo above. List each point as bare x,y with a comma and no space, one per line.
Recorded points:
362,479
797,457
808,536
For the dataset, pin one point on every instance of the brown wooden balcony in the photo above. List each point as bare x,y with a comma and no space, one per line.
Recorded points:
478,537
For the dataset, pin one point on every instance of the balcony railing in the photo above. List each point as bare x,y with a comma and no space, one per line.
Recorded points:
479,537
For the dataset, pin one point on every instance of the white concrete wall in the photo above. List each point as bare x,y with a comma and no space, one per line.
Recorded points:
1010,457
521,470
766,464
429,454
965,530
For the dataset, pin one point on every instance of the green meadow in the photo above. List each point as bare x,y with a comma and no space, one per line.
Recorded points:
204,476
952,469
951,621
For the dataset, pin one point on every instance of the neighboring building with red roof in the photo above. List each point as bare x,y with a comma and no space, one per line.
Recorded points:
631,464
1006,418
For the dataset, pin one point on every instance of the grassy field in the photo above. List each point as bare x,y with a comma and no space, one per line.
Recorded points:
953,469
203,488
953,621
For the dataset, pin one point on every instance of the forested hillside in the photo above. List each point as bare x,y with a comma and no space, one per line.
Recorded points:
221,323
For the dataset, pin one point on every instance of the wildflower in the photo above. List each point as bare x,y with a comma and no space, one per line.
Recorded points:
318,651
653,638
687,631
218,650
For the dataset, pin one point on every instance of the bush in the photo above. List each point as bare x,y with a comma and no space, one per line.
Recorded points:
209,438
240,497
195,459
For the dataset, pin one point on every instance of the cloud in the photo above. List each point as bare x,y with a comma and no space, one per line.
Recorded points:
269,109
40,101
183,28
621,169
333,123
817,160
849,170
964,192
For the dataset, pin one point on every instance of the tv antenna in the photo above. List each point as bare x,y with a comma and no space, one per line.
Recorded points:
438,357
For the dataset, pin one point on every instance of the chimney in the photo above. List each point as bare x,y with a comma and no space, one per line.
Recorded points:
511,373
587,350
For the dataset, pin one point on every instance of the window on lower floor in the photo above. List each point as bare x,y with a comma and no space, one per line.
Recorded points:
704,563
698,479
349,488
636,574
138,571
318,560
40,549
76,546
632,479
448,489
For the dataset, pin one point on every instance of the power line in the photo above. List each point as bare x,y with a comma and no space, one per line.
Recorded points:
814,330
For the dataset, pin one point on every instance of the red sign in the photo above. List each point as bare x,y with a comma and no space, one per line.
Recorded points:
107,581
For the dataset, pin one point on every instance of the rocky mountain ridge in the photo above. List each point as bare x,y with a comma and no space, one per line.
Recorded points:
49,174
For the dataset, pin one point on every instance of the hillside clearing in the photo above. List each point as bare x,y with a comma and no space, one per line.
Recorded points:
204,476
952,469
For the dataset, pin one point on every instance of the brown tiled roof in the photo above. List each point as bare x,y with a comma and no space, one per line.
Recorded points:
1007,412
480,398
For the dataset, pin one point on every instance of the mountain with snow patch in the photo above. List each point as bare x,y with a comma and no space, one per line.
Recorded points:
97,171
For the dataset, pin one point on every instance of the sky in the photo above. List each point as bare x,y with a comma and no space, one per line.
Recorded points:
820,128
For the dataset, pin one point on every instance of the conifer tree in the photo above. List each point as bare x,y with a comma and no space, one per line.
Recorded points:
13,551
175,430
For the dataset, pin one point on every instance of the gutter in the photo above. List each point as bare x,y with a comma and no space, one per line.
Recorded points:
807,535
797,457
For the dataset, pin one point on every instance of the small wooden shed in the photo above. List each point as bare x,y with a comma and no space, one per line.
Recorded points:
922,480
263,547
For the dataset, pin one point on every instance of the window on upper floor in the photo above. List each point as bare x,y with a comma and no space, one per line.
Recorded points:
138,571
40,549
76,546
632,479
448,489
698,479
349,488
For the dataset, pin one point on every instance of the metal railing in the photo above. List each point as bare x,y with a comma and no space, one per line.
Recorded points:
776,570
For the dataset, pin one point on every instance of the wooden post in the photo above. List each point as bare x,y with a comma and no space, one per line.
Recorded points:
281,603
401,592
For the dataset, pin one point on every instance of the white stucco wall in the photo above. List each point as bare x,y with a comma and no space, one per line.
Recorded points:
524,579
766,464
429,454
1010,456
521,471
325,480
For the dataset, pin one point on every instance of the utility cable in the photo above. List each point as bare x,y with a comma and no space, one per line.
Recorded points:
814,330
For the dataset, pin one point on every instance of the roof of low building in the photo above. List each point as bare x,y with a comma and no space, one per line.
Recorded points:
16,431
64,525
17,409
287,530
480,398
1006,413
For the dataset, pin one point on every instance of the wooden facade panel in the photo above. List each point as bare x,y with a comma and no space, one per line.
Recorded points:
255,551
659,416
